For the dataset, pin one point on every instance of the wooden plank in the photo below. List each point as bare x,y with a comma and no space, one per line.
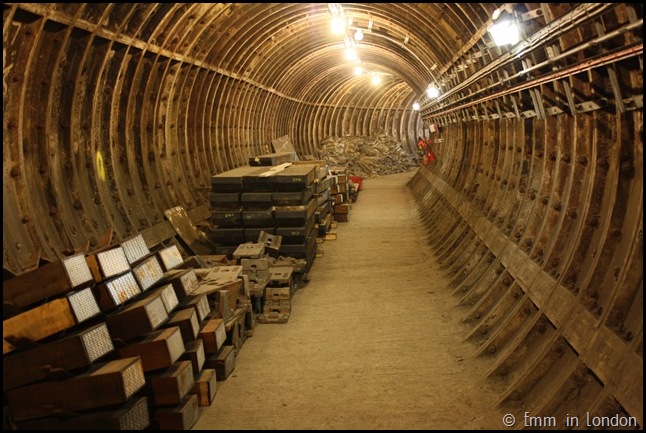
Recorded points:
107,263
157,350
187,322
133,415
213,334
194,352
116,291
223,363
170,257
118,381
184,281
157,234
198,302
206,386
46,320
138,318
168,388
193,240
135,248
47,281
180,417
148,272
69,353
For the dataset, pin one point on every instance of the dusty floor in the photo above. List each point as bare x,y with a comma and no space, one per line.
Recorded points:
374,341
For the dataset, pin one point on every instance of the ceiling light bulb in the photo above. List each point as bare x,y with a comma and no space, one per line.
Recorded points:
416,106
338,25
505,31
376,80
358,70
358,36
432,92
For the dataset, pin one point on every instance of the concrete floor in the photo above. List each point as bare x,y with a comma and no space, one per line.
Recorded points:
374,340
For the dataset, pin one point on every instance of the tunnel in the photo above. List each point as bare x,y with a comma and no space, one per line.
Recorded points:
531,203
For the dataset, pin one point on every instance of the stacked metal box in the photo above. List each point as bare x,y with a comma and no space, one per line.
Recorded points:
280,200
340,194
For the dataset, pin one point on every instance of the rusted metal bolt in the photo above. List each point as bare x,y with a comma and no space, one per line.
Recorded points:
615,232
25,219
557,206
532,195
552,156
566,158
14,172
492,349
77,205
545,200
519,149
506,281
594,222
539,153
627,168
572,213
528,242
582,160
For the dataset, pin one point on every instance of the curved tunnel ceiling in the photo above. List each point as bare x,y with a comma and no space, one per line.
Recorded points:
114,113
107,97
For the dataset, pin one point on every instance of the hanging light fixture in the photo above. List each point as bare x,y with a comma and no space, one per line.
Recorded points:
416,106
432,91
358,70
504,30
376,80
358,35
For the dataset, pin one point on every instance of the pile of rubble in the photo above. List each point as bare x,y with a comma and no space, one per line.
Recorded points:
367,156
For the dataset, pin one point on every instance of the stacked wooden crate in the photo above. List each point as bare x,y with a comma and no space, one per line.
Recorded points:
340,194
117,339
59,348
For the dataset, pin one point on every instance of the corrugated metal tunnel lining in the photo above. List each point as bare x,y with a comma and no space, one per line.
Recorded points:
114,113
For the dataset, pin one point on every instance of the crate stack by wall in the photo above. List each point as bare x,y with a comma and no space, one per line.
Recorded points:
340,194
272,202
277,198
323,216
121,338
